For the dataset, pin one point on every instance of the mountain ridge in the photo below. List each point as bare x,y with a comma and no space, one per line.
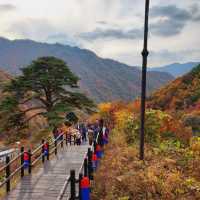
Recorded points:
103,79
176,69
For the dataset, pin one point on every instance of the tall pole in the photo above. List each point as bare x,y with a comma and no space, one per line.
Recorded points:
144,71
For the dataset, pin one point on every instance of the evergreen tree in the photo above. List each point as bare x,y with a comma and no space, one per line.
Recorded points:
48,87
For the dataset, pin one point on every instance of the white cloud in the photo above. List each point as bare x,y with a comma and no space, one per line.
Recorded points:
64,20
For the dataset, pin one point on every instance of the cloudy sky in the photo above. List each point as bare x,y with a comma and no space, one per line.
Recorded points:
111,28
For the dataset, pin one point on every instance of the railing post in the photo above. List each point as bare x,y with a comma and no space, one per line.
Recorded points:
80,178
74,140
30,164
7,173
47,150
55,143
70,140
85,167
95,145
100,137
62,137
22,161
73,184
90,163
66,139
43,156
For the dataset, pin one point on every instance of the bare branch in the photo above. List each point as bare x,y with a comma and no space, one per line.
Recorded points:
34,108
42,100
35,115
26,100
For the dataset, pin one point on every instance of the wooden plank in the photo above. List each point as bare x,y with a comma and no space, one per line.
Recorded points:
47,182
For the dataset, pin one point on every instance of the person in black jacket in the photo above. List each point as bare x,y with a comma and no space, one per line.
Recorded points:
100,138
55,132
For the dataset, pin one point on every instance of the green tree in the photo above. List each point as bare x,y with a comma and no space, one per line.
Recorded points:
11,119
49,89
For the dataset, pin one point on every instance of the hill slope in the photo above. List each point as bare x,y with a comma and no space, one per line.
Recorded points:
4,78
182,93
101,79
176,69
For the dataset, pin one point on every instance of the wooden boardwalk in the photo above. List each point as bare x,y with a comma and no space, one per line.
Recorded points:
47,181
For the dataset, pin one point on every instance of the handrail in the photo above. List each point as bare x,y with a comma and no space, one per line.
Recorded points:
55,147
97,137
82,164
37,159
67,181
56,139
32,163
18,156
43,155
11,175
14,159
37,149
62,192
19,168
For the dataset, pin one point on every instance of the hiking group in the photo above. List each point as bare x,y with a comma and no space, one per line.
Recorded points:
81,132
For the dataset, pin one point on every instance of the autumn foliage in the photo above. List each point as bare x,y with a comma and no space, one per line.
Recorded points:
125,117
171,169
182,93
165,174
172,156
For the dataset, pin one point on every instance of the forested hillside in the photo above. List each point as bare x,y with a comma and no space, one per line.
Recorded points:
4,77
182,93
182,97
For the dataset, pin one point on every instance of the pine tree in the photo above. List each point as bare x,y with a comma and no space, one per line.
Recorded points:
48,87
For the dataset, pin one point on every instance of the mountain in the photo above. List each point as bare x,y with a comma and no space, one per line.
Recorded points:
102,79
181,94
176,69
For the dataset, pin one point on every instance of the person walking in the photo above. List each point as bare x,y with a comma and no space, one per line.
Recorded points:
78,137
84,132
90,134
